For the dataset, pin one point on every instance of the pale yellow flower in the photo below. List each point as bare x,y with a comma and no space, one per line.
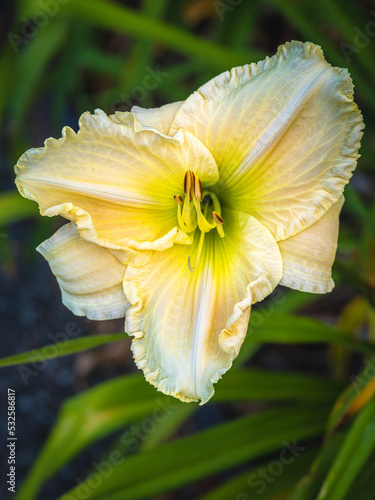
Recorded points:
186,215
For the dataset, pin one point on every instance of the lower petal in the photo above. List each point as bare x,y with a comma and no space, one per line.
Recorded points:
189,326
89,276
308,256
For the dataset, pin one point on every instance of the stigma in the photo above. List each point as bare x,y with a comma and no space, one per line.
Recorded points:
198,209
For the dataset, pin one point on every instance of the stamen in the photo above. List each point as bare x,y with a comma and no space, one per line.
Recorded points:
186,227
215,201
203,223
189,220
217,210
186,211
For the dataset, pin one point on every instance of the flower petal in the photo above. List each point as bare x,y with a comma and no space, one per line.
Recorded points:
90,277
116,181
284,132
189,326
159,118
308,256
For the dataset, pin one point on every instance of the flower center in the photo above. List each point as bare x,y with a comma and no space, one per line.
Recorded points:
200,209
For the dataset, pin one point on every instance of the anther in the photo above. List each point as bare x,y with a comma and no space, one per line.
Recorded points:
177,198
198,189
189,181
186,182
192,184
217,218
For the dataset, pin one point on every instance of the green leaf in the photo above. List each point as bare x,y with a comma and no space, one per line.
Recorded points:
355,206
7,65
89,416
59,349
259,385
364,486
188,459
261,483
109,405
119,18
309,485
167,427
289,329
14,207
32,63
352,457
354,397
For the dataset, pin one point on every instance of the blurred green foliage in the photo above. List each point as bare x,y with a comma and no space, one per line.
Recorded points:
76,55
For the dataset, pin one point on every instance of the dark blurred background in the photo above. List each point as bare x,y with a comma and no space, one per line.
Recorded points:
59,58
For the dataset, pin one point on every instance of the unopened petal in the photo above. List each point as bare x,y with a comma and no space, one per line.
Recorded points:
308,256
116,181
90,277
189,326
285,133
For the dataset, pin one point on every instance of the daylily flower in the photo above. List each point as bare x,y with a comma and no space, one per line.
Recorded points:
184,216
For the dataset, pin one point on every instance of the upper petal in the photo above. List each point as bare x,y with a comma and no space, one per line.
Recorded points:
90,277
115,180
308,256
159,118
189,326
284,132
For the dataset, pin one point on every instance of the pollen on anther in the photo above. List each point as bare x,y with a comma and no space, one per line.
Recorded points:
188,182
177,198
198,189
217,218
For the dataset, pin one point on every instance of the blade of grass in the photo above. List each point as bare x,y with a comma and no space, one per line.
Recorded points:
258,385
59,349
87,417
167,427
352,457
7,70
286,328
364,486
119,18
243,487
355,205
353,398
14,207
171,465
309,485
33,62
139,60
108,406
68,70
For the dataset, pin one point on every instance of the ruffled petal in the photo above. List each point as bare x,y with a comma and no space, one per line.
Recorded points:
90,277
308,256
159,118
285,133
116,181
189,326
